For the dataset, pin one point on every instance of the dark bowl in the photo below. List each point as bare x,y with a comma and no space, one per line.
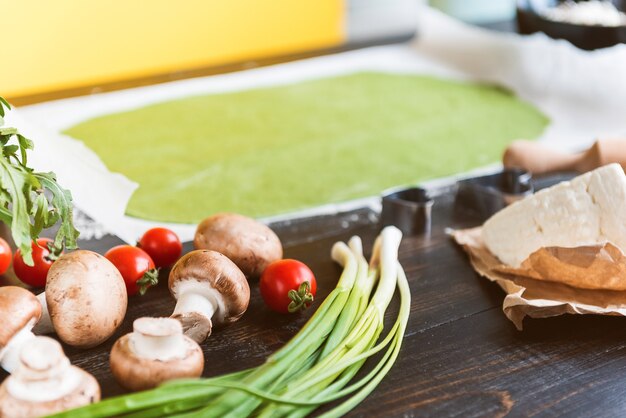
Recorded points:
530,20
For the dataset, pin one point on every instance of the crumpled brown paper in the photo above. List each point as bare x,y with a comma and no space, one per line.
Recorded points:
553,281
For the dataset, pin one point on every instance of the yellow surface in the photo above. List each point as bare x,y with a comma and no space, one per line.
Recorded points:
52,45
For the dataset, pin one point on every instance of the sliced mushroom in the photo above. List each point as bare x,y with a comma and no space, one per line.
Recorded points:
85,299
19,311
45,382
208,288
156,351
251,245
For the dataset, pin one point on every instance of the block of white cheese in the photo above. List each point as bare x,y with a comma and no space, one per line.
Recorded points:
588,210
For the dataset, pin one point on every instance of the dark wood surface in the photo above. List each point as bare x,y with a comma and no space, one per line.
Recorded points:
460,358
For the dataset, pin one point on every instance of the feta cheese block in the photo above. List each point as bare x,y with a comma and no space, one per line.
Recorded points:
588,210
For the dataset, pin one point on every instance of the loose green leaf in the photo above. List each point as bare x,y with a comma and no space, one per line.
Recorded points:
10,150
3,104
24,204
12,180
25,144
6,216
8,131
62,204
40,215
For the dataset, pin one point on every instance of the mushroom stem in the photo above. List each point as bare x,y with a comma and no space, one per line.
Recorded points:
158,339
194,302
10,355
154,352
44,326
195,308
44,373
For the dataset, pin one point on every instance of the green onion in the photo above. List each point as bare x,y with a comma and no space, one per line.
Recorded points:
316,367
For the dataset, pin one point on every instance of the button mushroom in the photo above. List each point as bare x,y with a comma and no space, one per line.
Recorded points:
45,382
251,245
208,287
19,311
154,352
85,299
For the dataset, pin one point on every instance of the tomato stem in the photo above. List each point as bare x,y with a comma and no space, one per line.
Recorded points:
150,278
54,251
300,299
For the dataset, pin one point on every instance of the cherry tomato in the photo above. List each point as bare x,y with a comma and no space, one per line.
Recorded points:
36,274
135,266
162,244
287,286
5,256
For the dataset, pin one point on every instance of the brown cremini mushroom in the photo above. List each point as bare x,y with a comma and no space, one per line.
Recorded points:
19,311
208,288
156,351
251,245
85,298
45,382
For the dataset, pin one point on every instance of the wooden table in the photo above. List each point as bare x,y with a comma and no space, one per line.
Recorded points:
460,358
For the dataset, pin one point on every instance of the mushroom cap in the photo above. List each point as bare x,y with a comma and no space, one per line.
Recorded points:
86,298
88,391
42,361
18,308
138,373
251,245
217,272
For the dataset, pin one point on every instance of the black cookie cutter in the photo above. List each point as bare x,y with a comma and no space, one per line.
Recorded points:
488,194
410,210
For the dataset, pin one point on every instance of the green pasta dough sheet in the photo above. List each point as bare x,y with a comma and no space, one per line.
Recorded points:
276,150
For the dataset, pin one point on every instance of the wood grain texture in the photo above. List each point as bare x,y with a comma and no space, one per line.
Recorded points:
461,357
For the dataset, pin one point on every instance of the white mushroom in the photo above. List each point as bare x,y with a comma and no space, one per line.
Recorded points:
208,288
19,311
45,382
156,351
85,299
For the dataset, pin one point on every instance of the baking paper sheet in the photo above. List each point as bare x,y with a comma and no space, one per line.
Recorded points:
581,92
528,296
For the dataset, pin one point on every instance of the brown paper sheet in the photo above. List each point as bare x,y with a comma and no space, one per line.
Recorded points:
553,281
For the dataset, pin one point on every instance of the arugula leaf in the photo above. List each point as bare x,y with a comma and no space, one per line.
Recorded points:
12,181
25,144
24,204
40,215
3,104
63,209
10,150
8,131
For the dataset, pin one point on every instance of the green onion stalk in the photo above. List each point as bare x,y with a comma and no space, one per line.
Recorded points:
317,366
305,343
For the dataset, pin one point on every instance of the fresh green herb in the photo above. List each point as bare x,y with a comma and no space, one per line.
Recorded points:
24,202
316,367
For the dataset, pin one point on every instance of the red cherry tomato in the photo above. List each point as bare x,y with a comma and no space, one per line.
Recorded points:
5,256
135,266
36,274
162,244
287,286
